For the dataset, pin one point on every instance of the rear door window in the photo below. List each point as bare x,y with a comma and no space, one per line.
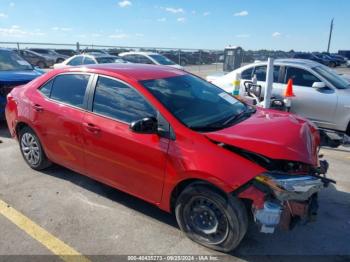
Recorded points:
70,89
260,72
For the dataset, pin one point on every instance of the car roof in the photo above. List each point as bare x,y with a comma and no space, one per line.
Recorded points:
32,48
98,55
137,72
138,53
291,61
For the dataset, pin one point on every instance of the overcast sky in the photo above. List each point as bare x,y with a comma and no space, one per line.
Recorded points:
253,24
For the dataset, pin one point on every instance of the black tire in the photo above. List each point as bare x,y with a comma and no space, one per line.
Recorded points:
200,208
32,150
332,64
41,64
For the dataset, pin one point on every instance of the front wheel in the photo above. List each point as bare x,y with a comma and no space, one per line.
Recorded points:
32,150
211,219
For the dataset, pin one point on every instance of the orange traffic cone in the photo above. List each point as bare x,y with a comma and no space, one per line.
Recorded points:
289,90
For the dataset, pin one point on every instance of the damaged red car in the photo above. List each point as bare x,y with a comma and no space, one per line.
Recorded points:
176,141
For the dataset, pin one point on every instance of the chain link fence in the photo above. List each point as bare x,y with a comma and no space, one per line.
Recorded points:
198,61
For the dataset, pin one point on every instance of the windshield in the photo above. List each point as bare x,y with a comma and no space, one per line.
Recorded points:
162,60
196,103
107,60
10,61
332,77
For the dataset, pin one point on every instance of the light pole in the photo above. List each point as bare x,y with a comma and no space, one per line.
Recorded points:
330,35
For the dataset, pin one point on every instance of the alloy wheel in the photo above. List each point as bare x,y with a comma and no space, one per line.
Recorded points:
31,149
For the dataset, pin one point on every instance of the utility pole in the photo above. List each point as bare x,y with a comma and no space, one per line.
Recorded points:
330,36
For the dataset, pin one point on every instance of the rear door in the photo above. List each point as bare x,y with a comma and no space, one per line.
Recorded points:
58,109
132,162
260,73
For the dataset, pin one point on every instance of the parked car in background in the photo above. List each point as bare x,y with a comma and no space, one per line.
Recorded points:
88,59
345,53
94,51
50,54
316,58
14,71
176,141
336,61
117,51
176,57
36,59
321,95
148,58
66,52
341,60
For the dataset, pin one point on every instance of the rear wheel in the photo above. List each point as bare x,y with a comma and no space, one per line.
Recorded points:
211,219
332,64
32,150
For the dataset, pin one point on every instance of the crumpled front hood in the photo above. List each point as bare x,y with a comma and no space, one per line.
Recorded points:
274,134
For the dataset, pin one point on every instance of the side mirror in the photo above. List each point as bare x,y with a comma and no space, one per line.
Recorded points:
277,104
148,125
318,85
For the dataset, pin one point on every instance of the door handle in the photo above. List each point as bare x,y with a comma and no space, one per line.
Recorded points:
38,108
92,128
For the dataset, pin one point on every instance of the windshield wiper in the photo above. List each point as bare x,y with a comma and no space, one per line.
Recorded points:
246,113
219,125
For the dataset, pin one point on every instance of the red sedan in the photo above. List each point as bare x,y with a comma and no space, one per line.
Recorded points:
176,141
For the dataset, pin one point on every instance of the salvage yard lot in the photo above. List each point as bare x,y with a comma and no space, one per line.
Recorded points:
95,219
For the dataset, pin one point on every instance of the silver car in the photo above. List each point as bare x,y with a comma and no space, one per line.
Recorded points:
321,95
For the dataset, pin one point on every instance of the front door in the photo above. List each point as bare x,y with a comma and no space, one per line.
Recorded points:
132,162
318,105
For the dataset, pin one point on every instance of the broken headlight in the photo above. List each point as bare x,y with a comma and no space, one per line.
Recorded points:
291,187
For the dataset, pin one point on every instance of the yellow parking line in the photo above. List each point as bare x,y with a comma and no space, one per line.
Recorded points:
52,243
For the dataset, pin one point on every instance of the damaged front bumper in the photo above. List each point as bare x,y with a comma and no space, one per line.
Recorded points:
281,200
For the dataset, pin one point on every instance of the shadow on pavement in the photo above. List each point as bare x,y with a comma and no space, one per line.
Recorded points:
112,194
328,236
4,132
